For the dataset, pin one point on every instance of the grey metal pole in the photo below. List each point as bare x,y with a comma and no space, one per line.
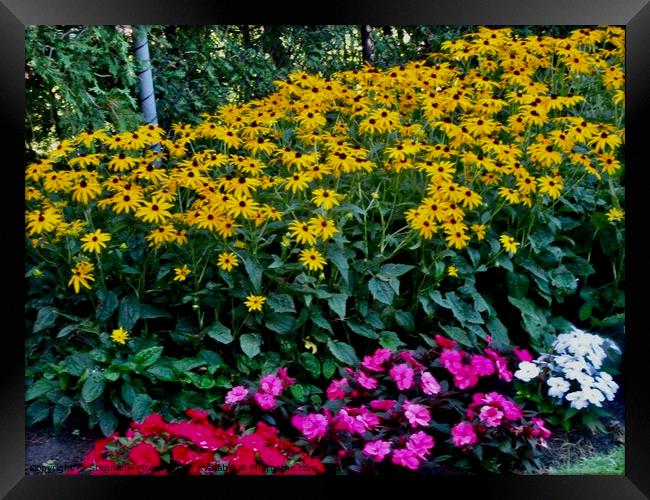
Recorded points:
147,94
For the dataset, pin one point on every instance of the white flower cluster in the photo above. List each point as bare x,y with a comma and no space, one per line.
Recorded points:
575,369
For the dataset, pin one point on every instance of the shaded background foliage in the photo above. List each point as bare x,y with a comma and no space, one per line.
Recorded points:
84,77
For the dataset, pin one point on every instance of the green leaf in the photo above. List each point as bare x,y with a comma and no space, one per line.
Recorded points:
39,388
381,291
220,333
457,334
66,330
299,392
162,372
107,422
250,343
341,263
579,266
36,412
337,304
147,357
280,323
319,320
540,239
405,320
498,331
254,271
343,352
310,363
107,302
504,261
129,312
59,414
93,387
141,407
462,311
517,284
329,368
281,303
362,330
390,340
394,270
149,312
564,281
585,311
46,318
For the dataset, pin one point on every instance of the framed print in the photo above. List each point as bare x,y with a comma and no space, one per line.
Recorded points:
354,254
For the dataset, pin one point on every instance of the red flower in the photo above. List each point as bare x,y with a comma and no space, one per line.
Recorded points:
197,415
145,455
272,457
153,424
445,343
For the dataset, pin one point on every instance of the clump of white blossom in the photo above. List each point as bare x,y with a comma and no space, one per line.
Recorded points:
573,370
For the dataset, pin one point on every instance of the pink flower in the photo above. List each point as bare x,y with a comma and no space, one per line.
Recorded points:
522,354
402,375
377,449
365,381
451,360
406,458
511,410
374,363
416,414
465,377
383,404
271,385
408,357
463,435
335,389
482,365
444,342
539,428
420,444
264,400
369,419
236,394
429,384
313,426
490,416
286,379
501,365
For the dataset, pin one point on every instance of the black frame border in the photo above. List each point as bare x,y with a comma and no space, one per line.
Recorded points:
633,14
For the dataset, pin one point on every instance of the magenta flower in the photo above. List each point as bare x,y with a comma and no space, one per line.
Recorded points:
377,449
335,389
312,426
429,384
420,444
236,394
264,400
490,416
465,377
271,385
286,379
406,458
451,360
402,375
482,365
374,363
383,404
416,414
463,435
539,428
522,354
511,410
365,381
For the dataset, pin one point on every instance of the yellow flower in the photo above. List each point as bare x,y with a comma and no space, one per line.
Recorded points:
313,259
81,274
120,336
95,242
326,198
615,214
228,260
181,273
452,271
311,346
254,302
509,243
302,232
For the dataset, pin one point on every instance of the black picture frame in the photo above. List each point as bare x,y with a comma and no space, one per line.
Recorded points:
634,15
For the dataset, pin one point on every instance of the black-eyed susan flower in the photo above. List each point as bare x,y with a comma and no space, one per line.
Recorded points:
551,186
95,241
302,232
313,259
509,243
322,227
81,275
615,214
119,336
227,261
298,181
40,221
156,211
254,302
326,198
181,273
